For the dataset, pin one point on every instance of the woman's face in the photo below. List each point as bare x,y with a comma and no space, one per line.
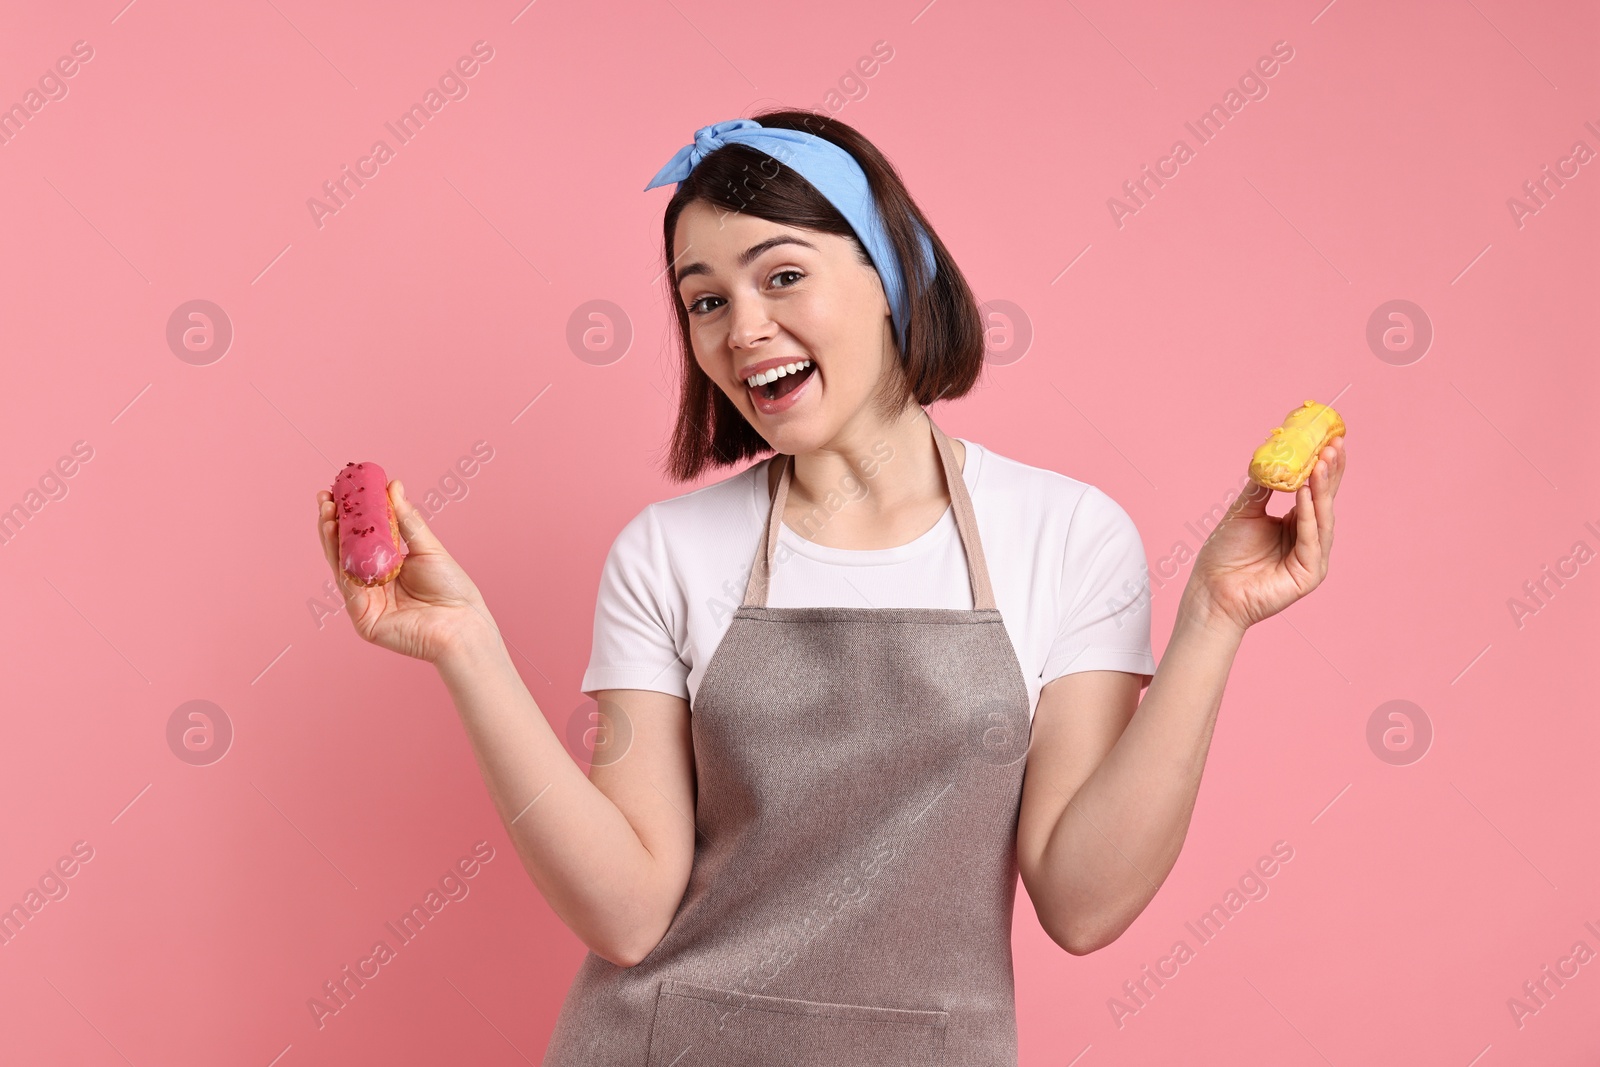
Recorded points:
802,296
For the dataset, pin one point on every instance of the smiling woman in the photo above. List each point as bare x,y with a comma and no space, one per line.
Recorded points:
850,740
742,221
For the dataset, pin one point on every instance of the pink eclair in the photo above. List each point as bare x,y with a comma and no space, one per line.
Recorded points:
370,546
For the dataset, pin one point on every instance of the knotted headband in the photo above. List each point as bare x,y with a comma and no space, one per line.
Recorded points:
832,171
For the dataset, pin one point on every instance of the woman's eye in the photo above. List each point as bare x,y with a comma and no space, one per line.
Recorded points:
692,307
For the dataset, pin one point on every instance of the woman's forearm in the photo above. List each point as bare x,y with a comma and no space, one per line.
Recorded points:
1120,835
581,851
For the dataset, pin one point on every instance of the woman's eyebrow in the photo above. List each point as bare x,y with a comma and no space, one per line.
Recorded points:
748,254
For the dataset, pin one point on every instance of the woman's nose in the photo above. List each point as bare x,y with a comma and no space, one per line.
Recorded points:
748,322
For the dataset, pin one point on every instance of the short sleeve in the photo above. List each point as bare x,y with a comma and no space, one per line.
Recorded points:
1104,605
634,637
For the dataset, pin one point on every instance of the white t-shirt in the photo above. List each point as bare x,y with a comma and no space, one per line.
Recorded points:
1066,562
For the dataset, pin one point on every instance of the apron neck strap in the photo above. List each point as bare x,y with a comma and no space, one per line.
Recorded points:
755,593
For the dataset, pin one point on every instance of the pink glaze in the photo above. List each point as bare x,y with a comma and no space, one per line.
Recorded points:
368,551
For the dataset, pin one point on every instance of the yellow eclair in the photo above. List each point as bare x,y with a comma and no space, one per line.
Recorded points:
1286,458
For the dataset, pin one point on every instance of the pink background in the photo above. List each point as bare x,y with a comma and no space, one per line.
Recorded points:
429,312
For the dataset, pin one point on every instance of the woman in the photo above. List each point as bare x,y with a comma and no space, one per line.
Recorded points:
818,865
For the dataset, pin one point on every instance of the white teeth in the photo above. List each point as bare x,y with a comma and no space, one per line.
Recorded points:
775,373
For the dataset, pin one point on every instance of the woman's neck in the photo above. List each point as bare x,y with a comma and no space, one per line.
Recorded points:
878,489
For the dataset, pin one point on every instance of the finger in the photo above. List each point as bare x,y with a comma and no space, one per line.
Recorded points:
1252,503
1334,454
1307,540
1322,495
328,529
412,527
419,539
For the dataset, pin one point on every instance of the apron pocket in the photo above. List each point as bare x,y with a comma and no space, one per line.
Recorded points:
698,1026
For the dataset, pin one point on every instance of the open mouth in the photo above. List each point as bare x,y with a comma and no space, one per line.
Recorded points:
770,394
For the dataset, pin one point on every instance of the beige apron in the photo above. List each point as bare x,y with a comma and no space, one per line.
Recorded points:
859,775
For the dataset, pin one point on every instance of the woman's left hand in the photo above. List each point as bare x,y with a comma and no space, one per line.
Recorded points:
1253,565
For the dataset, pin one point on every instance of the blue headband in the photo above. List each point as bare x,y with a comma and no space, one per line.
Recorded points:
832,171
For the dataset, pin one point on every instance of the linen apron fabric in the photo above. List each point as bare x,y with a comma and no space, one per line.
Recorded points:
859,774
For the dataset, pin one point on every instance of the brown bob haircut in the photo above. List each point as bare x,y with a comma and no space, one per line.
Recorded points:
944,349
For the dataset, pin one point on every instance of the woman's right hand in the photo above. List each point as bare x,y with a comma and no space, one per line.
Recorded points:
429,607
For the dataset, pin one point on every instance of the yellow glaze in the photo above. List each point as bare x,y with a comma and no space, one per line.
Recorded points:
1285,459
